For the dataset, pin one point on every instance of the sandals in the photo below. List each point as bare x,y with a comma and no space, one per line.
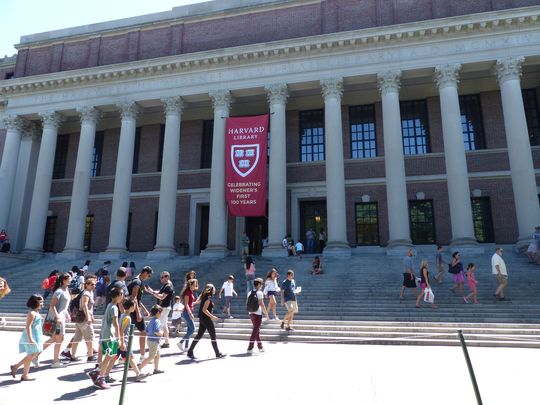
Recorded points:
13,370
27,379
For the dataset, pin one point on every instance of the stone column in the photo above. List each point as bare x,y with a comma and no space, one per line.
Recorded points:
447,78
169,180
337,245
122,182
217,231
394,164
277,178
8,168
519,148
81,185
39,206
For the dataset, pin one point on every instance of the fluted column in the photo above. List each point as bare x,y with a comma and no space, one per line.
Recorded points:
42,187
394,164
122,182
332,90
447,78
15,127
81,184
217,230
277,178
519,148
169,179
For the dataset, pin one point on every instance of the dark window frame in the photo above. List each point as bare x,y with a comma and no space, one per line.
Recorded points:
160,147
482,225
97,157
136,150
375,239
532,115
50,233
472,123
128,230
363,131
88,231
207,143
416,226
415,127
60,156
312,143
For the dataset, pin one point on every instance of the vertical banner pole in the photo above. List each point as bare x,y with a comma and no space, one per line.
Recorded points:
470,367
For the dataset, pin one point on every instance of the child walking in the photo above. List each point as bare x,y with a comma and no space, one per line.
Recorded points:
125,322
228,289
176,319
471,280
31,341
154,331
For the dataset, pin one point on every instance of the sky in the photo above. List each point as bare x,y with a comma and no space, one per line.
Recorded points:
24,17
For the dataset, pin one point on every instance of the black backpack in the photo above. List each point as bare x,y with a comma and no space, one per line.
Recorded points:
252,303
75,312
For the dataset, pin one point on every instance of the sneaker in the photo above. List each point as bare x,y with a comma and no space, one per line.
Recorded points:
191,355
67,354
165,346
158,371
221,355
282,325
261,349
249,351
94,374
231,317
110,380
58,364
35,361
466,300
141,376
101,384
91,358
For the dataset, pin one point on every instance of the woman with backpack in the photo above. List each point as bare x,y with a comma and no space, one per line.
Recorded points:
48,283
84,305
456,268
256,308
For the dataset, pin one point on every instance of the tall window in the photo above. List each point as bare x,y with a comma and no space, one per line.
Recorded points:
471,122
88,229
311,135
206,147
156,215
160,147
363,136
128,232
136,150
530,102
97,157
60,157
422,222
414,127
367,224
50,233
482,221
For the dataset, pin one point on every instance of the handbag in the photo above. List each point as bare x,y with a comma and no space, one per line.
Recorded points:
48,327
429,296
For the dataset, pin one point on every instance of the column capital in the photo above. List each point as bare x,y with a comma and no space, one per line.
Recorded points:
128,110
389,81
15,123
447,75
508,68
32,131
332,87
173,105
51,119
89,115
277,93
221,99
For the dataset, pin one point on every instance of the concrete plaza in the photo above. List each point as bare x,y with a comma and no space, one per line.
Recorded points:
292,373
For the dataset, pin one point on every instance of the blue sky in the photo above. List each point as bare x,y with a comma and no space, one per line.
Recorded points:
23,17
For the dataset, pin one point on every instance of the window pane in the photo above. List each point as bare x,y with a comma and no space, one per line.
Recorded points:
367,226
482,221
414,127
311,135
472,124
362,126
422,222
530,103
60,157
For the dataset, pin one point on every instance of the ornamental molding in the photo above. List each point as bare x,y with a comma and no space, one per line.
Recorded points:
508,68
173,105
277,93
332,87
447,75
15,123
389,81
51,120
221,99
89,115
128,110
430,31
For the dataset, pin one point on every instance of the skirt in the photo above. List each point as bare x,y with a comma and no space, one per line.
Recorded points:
459,278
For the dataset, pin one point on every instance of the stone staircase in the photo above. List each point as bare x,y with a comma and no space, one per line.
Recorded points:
354,301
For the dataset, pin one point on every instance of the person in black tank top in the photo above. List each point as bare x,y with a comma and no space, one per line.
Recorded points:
206,321
424,283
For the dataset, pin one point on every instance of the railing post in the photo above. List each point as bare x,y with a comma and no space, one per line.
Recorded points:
469,366
126,365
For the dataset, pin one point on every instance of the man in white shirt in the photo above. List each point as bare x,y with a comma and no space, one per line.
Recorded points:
498,267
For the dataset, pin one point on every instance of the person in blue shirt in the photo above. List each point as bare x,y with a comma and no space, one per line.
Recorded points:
154,332
288,298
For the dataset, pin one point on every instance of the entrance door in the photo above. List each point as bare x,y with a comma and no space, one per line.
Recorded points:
204,215
312,216
256,230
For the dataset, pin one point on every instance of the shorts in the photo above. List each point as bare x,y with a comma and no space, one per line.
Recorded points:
84,330
138,324
502,279
109,347
409,280
164,318
153,348
271,293
176,322
228,301
292,306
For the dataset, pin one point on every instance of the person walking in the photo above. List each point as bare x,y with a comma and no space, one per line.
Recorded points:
85,328
49,283
409,280
227,289
532,250
424,284
135,290
164,299
188,297
498,268
288,299
249,268
471,280
4,290
244,245
457,271
31,341
206,322
271,289
256,309
439,264
154,330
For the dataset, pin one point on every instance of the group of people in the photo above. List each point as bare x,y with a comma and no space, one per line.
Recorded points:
533,250
298,248
460,275
124,308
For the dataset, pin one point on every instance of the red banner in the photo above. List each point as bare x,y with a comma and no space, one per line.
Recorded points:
245,165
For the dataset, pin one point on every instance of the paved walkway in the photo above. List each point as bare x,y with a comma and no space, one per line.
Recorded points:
294,373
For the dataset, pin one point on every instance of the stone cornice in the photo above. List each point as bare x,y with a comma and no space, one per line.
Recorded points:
378,37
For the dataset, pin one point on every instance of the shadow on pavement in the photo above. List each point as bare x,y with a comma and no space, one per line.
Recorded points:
82,393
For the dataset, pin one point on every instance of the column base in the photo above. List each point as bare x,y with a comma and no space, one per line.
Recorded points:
275,250
215,252
34,253
466,245
398,247
161,253
114,253
72,254
337,249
